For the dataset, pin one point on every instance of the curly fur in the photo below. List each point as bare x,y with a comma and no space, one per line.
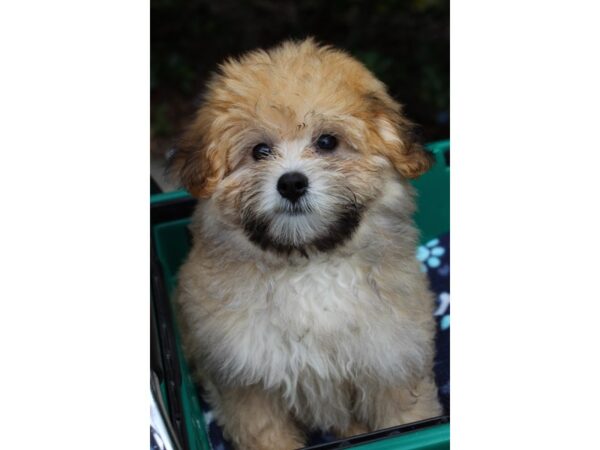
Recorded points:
315,314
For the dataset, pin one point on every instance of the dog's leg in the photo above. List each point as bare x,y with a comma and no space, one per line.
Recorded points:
256,420
394,406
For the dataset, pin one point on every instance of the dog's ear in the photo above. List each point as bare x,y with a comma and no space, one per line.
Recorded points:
197,162
397,137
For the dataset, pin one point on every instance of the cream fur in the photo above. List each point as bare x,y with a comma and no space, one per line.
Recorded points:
338,339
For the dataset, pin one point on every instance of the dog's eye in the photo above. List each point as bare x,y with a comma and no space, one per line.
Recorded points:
327,142
261,151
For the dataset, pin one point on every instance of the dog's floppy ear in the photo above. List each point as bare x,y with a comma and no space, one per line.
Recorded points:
397,137
197,161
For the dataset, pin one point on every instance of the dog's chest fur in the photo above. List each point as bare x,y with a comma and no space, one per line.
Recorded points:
318,301
308,331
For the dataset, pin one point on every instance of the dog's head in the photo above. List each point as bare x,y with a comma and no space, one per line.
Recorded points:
294,144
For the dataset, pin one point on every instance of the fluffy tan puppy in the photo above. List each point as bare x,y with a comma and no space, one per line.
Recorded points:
301,304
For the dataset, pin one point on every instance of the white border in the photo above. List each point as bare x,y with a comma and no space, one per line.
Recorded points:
74,332
525,310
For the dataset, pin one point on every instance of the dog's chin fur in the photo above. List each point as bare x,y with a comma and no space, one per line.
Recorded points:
340,230
314,314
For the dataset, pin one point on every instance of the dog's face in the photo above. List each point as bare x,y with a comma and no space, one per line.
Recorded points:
294,145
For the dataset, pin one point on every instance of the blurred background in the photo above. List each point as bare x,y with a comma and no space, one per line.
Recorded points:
406,43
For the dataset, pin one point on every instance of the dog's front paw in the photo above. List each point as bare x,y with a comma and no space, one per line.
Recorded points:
403,405
355,428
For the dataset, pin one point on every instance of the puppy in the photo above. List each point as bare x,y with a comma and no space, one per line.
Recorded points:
301,303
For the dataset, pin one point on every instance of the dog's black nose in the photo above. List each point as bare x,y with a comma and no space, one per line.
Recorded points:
292,185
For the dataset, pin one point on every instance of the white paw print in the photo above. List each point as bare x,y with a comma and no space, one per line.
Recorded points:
443,305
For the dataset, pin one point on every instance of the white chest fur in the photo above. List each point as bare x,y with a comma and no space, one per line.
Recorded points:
321,322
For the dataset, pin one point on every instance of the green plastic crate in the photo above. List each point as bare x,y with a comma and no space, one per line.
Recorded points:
433,190
172,242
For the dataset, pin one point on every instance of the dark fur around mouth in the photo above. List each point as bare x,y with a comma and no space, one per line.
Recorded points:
339,232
